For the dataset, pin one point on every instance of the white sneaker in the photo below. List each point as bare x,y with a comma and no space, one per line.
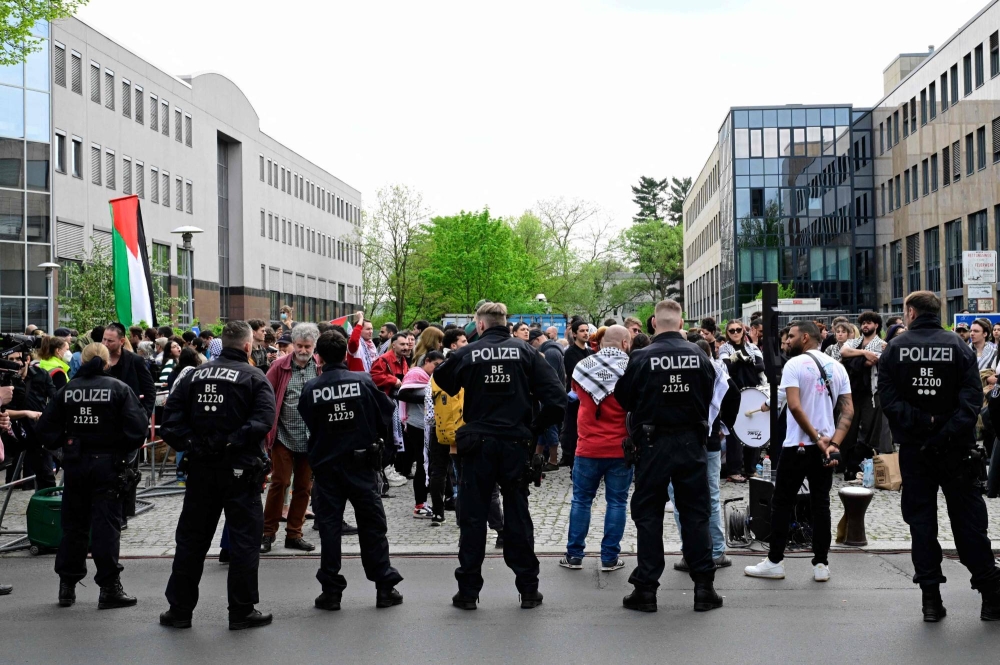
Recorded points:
395,480
821,572
766,569
669,507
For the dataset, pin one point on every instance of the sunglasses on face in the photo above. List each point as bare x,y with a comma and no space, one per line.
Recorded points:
733,331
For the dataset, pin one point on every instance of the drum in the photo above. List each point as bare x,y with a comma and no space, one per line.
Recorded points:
851,530
753,426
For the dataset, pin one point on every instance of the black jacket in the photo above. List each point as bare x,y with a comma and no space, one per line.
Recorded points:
929,372
344,411
669,384
554,357
573,355
503,377
131,370
224,405
102,412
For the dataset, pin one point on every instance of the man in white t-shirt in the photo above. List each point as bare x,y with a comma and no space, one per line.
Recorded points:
813,436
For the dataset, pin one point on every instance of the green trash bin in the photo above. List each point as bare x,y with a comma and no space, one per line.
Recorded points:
45,519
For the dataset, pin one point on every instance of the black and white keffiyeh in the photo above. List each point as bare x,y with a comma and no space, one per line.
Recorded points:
599,373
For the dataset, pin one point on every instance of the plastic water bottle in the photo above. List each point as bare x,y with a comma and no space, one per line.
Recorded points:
868,473
767,468
760,471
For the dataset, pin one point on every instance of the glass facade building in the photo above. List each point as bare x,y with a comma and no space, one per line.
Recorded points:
797,204
25,189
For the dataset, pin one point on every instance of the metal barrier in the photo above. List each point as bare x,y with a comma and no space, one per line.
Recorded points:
19,543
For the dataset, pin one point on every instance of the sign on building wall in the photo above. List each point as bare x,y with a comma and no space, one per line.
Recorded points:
979,268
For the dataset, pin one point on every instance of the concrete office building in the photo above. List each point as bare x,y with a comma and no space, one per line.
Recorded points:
904,188
100,122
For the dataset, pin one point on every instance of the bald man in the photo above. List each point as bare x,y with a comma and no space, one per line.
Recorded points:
599,454
552,332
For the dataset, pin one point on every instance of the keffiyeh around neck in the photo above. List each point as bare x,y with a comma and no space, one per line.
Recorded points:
368,354
598,374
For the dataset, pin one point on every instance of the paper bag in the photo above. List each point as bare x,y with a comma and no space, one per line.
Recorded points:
887,475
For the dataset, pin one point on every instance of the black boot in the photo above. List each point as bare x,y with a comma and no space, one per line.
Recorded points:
67,594
531,599
174,618
253,620
113,596
705,598
328,601
931,604
641,600
463,602
387,598
991,605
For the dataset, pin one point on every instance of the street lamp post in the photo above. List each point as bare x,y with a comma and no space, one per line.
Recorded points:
49,267
187,233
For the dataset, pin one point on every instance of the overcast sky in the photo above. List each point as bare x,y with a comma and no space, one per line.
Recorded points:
502,104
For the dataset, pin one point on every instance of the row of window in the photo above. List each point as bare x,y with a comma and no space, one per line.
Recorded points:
703,294
103,171
930,270
976,155
159,109
288,282
708,236
297,185
288,232
703,196
974,77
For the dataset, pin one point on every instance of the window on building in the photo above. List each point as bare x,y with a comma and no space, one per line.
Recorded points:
954,84
188,126
926,173
184,286
109,168
263,223
178,125
923,106
60,152
139,105
932,255
261,159
154,113
956,161
980,70
140,180
126,175
188,197
154,185
946,164
881,138
160,269
906,121
953,253
934,172
906,185
913,181
913,263
165,190
95,164
165,117
884,209
76,72
978,232
970,155
932,100
892,195
59,64
895,124
994,54
95,83
178,187
109,89
913,115
944,92
996,139
898,193
269,171
127,98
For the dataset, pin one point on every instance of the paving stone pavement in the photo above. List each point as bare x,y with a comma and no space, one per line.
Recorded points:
152,533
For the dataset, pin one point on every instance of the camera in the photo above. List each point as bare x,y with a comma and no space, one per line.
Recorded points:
11,344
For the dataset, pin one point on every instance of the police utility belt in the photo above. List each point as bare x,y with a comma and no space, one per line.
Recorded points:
127,478
649,434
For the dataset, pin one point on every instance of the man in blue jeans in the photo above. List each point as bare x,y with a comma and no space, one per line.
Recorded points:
599,455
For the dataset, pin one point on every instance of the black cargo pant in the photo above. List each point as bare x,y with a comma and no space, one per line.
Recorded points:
484,463
679,458
922,474
91,512
334,484
494,519
211,490
569,431
794,469
438,461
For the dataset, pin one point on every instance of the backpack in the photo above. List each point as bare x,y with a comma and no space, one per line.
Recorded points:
447,413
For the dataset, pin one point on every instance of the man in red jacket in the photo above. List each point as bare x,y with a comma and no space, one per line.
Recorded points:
599,454
387,372
361,350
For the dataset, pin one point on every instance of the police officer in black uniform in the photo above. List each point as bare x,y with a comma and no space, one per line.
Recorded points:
97,421
503,377
347,415
932,394
219,414
667,390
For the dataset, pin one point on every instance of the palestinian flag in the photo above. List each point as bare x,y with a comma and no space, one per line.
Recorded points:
130,261
345,322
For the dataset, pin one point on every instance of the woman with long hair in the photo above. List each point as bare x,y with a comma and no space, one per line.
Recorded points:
171,353
431,339
54,356
745,363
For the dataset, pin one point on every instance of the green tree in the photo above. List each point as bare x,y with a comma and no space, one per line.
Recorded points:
88,299
471,256
18,36
655,251
784,291
679,190
650,197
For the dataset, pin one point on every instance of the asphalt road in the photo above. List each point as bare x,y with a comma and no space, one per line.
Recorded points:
868,612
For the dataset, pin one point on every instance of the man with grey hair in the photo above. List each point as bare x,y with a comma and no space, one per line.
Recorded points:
288,441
